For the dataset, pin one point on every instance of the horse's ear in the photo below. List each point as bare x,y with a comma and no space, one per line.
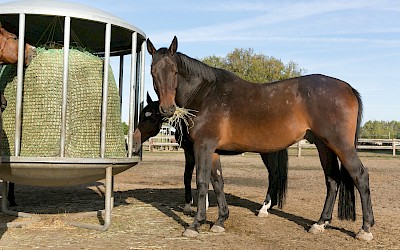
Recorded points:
150,47
174,46
149,98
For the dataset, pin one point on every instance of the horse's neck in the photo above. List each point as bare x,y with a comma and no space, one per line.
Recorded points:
190,89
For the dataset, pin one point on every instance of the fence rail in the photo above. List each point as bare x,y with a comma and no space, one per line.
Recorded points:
169,143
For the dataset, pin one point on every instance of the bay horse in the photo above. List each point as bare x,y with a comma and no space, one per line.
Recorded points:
9,48
150,122
240,116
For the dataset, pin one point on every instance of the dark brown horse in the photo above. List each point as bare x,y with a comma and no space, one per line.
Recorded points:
150,122
9,48
236,115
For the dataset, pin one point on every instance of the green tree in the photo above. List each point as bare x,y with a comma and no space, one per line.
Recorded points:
254,67
381,129
125,128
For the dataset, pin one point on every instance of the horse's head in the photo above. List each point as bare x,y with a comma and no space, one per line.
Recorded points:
164,70
150,122
9,48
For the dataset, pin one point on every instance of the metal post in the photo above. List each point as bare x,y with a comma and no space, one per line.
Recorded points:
108,200
67,31
132,93
142,74
20,71
121,78
105,91
5,210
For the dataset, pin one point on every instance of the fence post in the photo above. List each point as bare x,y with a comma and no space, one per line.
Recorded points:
394,146
151,144
299,149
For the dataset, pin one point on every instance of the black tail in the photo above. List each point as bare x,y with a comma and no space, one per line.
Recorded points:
346,207
277,164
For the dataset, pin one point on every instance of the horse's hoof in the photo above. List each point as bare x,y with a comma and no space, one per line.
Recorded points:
366,236
317,229
13,204
217,229
189,233
187,210
262,214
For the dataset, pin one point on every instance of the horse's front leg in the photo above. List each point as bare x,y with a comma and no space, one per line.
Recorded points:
218,184
203,159
189,166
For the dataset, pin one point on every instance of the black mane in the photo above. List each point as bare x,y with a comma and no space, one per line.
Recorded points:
191,66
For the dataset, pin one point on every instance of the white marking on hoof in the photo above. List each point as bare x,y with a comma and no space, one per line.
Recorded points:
264,210
187,210
189,233
317,229
218,172
362,235
217,229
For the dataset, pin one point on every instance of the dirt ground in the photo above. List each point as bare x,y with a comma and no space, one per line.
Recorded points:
149,199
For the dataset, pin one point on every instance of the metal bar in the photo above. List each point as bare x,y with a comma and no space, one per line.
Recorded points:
108,200
142,82
105,91
5,209
67,31
132,93
20,71
142,75
121,78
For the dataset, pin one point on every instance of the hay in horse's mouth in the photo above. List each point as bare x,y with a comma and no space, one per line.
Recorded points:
186,116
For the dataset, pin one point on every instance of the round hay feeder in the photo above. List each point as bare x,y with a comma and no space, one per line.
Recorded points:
69,28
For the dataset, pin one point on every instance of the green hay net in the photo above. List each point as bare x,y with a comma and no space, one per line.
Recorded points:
41,114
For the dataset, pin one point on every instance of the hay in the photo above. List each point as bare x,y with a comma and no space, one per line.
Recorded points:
181,115
42,97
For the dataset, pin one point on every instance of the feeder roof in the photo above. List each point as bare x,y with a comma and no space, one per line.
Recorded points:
44,22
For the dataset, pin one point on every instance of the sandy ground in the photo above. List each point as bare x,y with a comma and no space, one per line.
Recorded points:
149,199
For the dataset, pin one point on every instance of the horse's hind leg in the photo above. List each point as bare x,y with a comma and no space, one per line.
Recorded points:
218,184
277,165
330,165
360,177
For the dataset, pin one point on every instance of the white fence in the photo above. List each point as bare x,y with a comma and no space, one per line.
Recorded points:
161,143
169,143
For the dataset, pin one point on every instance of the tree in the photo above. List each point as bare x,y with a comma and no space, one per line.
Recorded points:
381,129
125,128
254,67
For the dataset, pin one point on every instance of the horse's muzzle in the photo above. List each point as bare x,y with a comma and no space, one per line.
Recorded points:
137,141
169,111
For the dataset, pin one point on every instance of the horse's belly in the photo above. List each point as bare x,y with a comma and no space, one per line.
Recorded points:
255,140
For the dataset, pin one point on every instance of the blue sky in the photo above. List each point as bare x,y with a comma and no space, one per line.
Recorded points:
357,41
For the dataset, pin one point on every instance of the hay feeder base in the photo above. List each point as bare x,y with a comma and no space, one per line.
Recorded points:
65,171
